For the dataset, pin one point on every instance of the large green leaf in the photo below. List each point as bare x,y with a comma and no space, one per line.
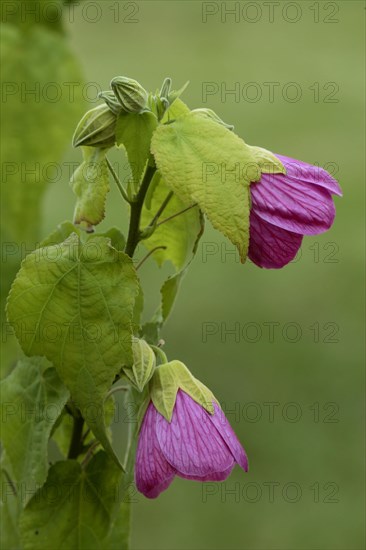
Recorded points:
75,508
134,132
206,163
178,235
90,183
33,397
73,303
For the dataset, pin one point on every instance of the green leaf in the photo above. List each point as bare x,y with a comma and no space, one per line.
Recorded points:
33,397
150,331
90,183
134,132
119,536
176,110
75,508
60,234
206,163
169,292
73,303
178,235
116,237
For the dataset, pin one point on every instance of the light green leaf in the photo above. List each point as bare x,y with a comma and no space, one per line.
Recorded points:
206,163
62,231
83,506
169,292
178,235
117,238
90,183
33,397
134,132
73,303
176,110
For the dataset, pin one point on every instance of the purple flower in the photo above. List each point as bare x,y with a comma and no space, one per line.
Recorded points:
287,207
194,445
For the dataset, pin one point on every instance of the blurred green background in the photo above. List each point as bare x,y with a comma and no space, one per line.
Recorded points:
296,400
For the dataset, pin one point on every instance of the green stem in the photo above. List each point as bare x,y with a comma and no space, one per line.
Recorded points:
163,205
133,238
148,255
176,214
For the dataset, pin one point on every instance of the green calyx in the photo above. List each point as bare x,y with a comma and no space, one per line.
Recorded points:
143,367
171,377
267,162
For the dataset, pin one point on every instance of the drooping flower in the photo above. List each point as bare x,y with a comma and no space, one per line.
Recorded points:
193,443
285,207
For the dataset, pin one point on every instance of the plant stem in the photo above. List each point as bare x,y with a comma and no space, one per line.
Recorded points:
136,207
163,205
116,179
76,438
148,255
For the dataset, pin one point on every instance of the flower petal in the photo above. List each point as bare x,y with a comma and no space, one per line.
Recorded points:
270,246
295,205
214,476
224,428
303,171
153,474
190,443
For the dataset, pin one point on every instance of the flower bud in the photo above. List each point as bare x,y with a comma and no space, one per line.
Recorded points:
213,116
130,94
110,99
144,362
96,128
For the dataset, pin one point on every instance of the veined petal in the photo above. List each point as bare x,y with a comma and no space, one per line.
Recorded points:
214,476
153,474
224,428
303,171
295,205
270,246
189,442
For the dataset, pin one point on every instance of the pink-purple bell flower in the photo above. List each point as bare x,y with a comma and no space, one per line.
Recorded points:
287,207
194,445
